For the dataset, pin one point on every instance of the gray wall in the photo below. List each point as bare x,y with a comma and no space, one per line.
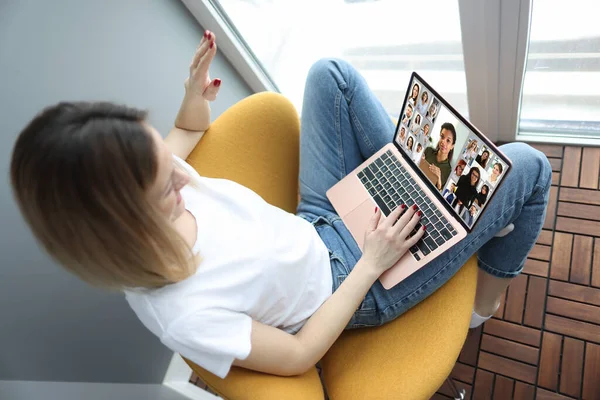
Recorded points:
53,327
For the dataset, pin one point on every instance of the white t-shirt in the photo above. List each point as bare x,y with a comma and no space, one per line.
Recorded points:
258,263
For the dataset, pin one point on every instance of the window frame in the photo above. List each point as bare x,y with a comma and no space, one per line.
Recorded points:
493,93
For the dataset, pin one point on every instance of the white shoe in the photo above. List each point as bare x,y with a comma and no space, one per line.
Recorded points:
505,231
477,320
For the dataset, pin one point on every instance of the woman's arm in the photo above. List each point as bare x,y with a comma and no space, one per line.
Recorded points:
276,352
193,117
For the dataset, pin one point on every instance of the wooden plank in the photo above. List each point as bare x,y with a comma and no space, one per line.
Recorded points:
555,163
546,395
536,296
524,391
510,331
551,210
596,264
515,299
445,389
548,149
570,309
550,361
512,369
572,367
507,348
463,372
571,162
578,210
584,196
581,262
470,349
555,178
570,327
545,237
574,292
484,381
591,372
578,226
561,256
503,389
536,267
590,168
540,252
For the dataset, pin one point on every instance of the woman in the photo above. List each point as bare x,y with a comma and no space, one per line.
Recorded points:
458,170
482,159
496,171
432,113
422,106
414,96
416,123
481,197
466,189
439,158
471,150
423,136
409,143
214,271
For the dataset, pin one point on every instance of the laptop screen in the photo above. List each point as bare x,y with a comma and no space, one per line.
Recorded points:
455,158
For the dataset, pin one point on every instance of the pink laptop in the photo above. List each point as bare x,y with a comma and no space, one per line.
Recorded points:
439,161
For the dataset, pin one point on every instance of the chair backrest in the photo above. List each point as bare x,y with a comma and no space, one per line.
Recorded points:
256,144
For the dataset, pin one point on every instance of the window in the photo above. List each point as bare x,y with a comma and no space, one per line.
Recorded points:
385,40
561,90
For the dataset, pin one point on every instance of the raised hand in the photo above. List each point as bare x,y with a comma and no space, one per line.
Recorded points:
199,81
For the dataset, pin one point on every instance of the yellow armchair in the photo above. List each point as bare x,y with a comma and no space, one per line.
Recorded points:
256,143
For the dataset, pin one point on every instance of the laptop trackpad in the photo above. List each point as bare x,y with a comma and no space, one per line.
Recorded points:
358,220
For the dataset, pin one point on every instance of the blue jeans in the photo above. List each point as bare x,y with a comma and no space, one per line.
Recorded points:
343,124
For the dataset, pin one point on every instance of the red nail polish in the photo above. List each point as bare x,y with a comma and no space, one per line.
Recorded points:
205,33
211,44
420,213
217,82
403,206
376,209
414,207
424,227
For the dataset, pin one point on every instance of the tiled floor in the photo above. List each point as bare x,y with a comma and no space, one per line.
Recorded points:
544,342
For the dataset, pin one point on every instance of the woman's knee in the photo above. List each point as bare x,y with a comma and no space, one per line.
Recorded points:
328,69
530,162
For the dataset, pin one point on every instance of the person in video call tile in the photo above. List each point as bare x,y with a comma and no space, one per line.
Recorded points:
422,105
407,115
458,170
414,95
416,124
423,135
466,189
471,150
439,158
402,135
417,154
481,197
433,110
448,193
496,171
483,158
409,143
469,216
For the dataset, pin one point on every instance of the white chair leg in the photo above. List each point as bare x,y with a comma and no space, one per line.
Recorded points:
505,231
457,394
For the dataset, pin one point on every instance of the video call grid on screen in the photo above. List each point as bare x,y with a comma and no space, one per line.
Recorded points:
423,121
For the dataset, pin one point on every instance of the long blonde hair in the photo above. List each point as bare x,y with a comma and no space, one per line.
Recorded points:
80,174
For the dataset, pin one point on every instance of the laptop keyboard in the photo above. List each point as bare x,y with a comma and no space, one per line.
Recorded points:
390,185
